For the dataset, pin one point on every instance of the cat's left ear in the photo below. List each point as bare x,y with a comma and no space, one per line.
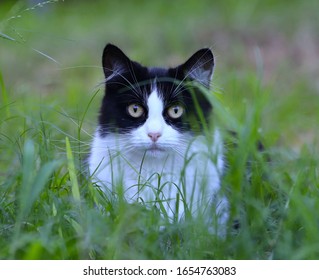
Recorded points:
199,67
114,61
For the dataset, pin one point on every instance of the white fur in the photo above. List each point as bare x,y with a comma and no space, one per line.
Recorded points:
148,172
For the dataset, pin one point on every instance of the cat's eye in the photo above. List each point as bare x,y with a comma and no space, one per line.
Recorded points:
175,111
135,110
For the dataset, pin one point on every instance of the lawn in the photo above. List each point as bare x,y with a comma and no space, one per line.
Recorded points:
265,87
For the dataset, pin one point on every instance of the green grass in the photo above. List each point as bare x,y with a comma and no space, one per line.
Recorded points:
265,88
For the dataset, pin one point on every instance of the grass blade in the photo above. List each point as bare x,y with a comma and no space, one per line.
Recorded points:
4,93
4,36
33,182
72,172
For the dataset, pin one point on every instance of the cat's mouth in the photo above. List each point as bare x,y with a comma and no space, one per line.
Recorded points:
154,148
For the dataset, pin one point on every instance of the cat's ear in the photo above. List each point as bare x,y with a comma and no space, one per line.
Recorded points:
199,67
114,62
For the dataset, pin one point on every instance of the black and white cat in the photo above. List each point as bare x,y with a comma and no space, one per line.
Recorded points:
150,144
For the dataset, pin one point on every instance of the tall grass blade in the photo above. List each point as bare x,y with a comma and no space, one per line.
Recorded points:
4,94
33,180
72,172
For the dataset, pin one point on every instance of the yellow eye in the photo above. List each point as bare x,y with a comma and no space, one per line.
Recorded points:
175,111
135,110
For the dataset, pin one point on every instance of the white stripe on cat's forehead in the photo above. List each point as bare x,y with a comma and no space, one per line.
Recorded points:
155,103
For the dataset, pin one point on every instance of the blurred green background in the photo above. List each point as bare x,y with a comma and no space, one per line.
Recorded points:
274,42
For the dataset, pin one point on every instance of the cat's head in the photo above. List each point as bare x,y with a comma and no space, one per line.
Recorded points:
154,107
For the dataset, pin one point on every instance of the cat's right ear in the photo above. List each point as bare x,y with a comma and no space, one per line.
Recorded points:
199,67
114,62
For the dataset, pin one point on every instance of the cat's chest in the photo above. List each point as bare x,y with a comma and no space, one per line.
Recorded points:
166,167
189,173
134,169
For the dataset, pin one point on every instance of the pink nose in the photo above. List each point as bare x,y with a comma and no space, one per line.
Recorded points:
154,136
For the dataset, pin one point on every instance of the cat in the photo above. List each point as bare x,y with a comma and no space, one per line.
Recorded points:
152,143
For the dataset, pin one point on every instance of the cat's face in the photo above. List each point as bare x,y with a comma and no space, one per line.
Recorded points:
153,109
